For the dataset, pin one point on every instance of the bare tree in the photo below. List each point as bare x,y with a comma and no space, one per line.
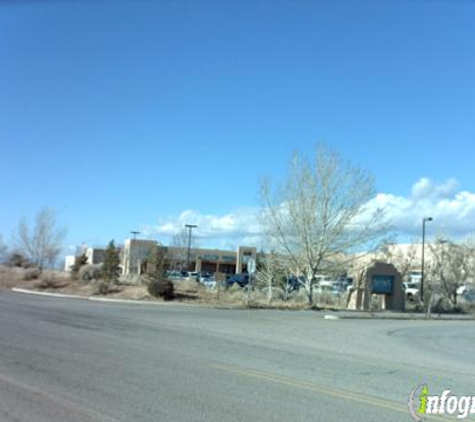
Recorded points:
404,260
269,272
3,251
42,243
321,212
178,253
451,267
357,269
469,244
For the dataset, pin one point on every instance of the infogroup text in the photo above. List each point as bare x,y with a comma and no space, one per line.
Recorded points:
421,403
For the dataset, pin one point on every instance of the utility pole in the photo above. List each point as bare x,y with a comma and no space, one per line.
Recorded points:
134,233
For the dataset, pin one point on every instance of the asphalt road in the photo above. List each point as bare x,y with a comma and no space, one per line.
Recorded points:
70,360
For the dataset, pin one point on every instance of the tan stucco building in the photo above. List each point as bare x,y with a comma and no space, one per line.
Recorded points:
136,252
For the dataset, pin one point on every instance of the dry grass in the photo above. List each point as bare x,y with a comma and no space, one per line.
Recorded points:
30,278
280,300
186,291
132,280
52,280
189,286
263,303
13,277
132,293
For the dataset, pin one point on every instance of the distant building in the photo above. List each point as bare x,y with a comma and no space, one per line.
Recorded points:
137,252
135,255
69,261
94,256
216,260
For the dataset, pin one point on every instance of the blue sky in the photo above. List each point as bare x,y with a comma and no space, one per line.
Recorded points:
147,115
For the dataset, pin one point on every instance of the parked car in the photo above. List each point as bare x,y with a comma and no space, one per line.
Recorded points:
206,277
208,282
411,290
339,289
173,275
324,286
241,279
294,283
469,295
193,275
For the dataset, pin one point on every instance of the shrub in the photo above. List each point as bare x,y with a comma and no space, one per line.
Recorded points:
236,294
442,305
277,293
376,302
79,261
31,274
90,272
469,308
299,295
51,280
161,287
233,288
16,259
190,286
105,287
131,280
10,276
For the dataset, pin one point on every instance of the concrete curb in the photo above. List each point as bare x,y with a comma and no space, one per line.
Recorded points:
331,317
135,302
61,295
404,317
99,299
123,301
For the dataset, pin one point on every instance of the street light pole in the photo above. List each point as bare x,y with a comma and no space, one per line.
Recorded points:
190,227
424,221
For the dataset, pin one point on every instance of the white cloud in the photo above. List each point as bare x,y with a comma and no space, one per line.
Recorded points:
452,210
426,189
422,189
230,230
